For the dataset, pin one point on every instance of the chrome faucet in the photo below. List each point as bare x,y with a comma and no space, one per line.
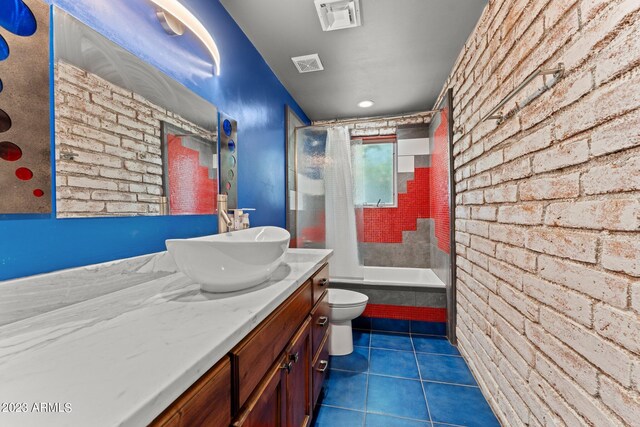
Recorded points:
224,222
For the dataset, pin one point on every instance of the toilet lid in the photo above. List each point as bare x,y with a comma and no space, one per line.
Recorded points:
344,298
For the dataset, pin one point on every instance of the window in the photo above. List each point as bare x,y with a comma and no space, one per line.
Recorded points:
375,173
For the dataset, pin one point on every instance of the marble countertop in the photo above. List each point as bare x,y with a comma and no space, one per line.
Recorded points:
118,342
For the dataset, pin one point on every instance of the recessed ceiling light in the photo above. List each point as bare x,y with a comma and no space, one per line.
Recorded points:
365,104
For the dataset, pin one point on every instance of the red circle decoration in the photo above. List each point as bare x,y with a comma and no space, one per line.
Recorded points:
24,174
9,151
38,192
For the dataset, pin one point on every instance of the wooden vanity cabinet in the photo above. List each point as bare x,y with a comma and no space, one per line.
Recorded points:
283,398
273,377
289,391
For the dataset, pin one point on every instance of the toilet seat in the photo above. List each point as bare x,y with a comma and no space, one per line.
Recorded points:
344,298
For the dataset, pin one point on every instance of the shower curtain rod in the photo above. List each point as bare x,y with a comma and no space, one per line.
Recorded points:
363,120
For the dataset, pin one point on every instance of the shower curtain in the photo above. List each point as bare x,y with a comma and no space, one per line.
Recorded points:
340,211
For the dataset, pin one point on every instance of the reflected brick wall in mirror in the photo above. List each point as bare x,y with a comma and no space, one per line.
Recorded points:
25,144
108,147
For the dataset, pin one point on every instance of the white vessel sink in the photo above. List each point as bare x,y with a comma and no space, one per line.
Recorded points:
231,261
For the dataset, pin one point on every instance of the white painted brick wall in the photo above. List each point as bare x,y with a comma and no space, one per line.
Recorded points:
379,126
114,134
548,212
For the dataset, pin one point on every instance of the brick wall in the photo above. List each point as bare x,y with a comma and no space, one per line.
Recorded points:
114,138
379,126
548,211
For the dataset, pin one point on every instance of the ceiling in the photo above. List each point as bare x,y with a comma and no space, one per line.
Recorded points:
400,57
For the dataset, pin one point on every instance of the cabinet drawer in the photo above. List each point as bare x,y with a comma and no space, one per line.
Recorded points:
256,353
320,369
206,403
320,282
320,322
267,405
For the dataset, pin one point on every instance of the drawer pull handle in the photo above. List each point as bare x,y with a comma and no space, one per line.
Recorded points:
322,366
323,320
287,366
323,282
294,357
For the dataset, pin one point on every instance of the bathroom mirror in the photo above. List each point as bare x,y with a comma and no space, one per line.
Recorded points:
129,139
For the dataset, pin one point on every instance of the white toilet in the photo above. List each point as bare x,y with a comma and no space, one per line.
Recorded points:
344,307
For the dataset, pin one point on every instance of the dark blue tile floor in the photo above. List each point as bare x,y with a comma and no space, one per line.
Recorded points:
400,379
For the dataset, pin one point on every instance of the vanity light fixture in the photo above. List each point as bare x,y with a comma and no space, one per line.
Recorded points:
174,17
366,103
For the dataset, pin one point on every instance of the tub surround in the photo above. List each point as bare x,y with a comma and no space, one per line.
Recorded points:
121,341
404,294
420,278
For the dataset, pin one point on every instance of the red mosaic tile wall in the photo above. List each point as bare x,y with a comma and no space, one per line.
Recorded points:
191,191
385,225
426,197
439,190
387,311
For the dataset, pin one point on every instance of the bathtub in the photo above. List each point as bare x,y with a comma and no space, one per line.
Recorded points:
396,276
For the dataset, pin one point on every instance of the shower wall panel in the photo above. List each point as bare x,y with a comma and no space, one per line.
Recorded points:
439,194
310,195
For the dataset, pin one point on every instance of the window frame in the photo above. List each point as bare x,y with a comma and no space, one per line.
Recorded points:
390,139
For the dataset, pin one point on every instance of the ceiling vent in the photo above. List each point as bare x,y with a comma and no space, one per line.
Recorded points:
338,14
308,63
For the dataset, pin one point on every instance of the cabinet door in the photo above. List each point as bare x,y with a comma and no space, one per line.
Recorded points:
298,393
266,406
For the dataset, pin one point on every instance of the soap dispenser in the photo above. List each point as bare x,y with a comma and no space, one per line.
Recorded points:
237,219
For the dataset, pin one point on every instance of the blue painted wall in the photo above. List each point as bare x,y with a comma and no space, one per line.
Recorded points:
246,90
